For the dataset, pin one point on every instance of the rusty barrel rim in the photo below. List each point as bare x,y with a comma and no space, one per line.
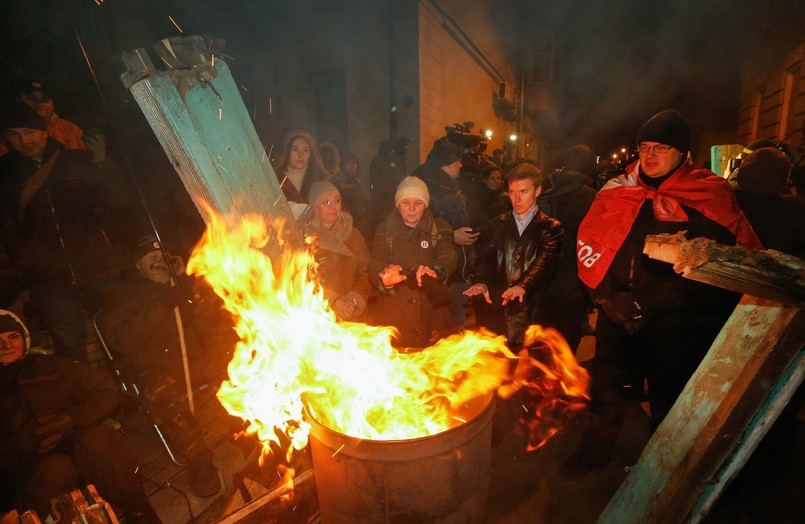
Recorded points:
407,449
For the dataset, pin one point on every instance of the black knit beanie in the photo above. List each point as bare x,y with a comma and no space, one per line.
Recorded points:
17,114
668,127
443,153
10,322
146,245
764,171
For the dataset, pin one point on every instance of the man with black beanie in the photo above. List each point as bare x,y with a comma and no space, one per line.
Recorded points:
62,213
646,308
139,324
441,172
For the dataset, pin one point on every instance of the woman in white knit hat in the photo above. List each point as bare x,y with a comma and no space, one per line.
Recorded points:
412,258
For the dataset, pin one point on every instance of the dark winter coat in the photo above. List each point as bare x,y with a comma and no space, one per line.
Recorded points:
680,317
139,326
414,311
41,385
448,203
567,199
486,204
506,259
71,229
342,258
779,221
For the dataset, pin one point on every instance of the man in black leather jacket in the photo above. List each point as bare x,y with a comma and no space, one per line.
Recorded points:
516,261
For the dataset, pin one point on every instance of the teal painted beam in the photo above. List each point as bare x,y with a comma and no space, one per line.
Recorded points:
757,344
781,395
198,115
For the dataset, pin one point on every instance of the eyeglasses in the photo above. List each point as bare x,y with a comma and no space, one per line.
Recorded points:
658,149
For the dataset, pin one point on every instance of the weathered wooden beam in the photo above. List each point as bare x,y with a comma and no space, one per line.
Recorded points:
768,274
753,367
198,115
759,342
781,395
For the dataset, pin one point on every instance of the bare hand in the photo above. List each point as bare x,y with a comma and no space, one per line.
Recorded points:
392,275
96,144
463,236
344,308
424,270
514,292
479,289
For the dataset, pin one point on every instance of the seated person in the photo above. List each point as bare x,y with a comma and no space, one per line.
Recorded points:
340,251
52,436
140,327
412,257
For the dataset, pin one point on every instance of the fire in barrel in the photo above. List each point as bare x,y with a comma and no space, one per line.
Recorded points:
396,437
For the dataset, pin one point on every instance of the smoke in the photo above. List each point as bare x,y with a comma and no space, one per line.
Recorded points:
620,62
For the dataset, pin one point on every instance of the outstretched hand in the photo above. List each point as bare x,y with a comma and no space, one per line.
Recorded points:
391,275
513,293
479,289
424,270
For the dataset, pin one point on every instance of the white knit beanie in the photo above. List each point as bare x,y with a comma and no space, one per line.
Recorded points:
412,187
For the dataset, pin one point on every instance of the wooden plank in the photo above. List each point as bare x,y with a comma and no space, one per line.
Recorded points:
758,342
197,113
768,274
760,425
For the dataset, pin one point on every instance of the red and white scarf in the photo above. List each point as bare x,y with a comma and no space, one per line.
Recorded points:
616,206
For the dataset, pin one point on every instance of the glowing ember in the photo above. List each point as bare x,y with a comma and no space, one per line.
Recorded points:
294,355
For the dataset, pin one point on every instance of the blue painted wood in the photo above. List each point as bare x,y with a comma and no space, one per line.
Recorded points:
780,396
198,115
669,453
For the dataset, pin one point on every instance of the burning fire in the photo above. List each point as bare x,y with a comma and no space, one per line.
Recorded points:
293,355
554,385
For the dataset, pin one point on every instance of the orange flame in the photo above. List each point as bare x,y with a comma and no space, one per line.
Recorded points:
293,355
553,384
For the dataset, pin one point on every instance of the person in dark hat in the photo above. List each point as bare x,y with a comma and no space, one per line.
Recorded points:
779,219
35,95
387,170
645,307
52,433
441,172
139,325
62,215
568,196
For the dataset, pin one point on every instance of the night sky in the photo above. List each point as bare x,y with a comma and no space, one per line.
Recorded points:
616,63
622,61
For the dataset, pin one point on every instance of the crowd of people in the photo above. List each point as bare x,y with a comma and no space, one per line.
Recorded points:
462,240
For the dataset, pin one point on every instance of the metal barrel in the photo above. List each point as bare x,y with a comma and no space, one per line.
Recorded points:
442,478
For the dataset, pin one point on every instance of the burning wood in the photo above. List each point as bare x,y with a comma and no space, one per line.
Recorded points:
293,355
